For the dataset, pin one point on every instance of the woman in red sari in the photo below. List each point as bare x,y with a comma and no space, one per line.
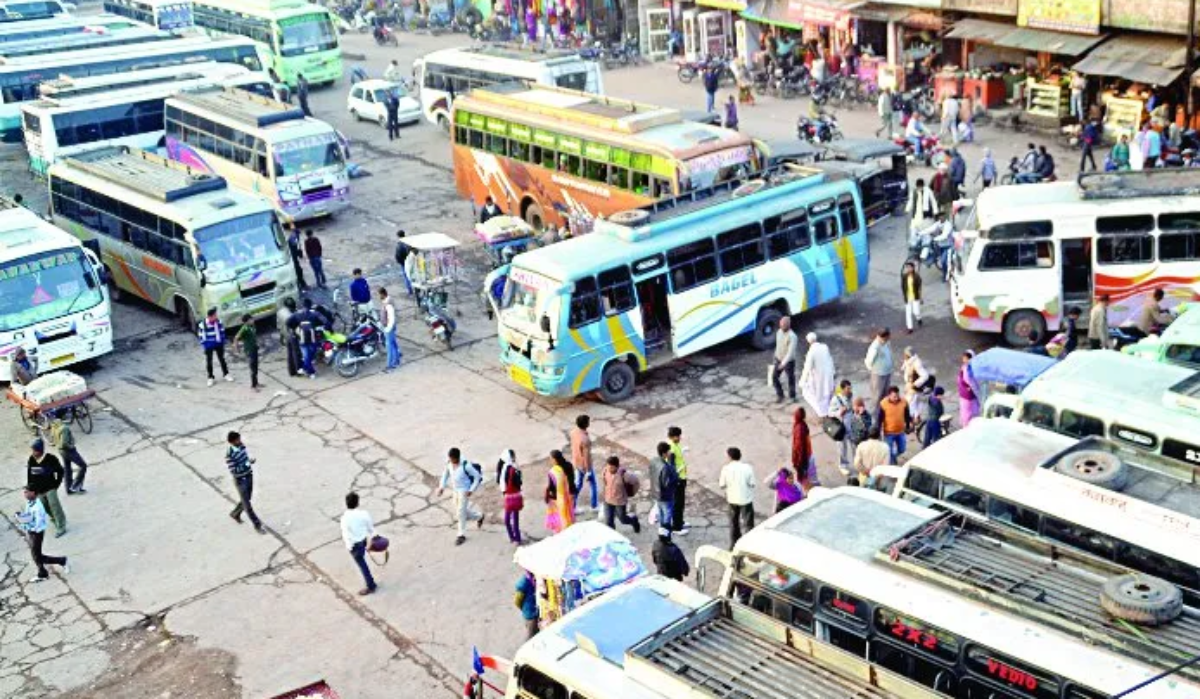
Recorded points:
803,461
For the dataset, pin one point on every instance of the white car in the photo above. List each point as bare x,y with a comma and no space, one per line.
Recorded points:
367,100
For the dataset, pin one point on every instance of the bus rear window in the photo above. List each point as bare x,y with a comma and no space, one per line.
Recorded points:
1020,229
1125,249
1010,674
572,81
1017,256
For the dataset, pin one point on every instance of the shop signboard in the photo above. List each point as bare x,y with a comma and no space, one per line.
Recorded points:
1074,16
1162,16
1006,8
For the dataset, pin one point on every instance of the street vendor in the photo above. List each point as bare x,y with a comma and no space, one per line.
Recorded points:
489,210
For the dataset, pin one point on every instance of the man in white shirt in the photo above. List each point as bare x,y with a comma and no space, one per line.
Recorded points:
785,359
388,317
949,117
357,530
32,520
737,480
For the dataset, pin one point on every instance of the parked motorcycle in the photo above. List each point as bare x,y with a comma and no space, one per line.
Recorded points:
363,343
822,130
438,319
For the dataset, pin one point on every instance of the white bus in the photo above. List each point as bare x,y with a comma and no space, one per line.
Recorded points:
68,88
48,47
52,297
464,69
19,80
1091,495
59,26
178,239
168,15
839,567
69,123
261,146
27,10
1040,249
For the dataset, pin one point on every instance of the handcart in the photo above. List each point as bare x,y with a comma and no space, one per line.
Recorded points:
432,268
504,237
61,395
576,565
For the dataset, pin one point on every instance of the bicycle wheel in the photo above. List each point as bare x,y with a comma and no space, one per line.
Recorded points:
82,416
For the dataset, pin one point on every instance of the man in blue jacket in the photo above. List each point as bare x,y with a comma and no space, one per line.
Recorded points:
212,338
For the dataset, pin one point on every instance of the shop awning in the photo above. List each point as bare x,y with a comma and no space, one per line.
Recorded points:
1042,40
1143,59
732,5
774,12
794,14
979,30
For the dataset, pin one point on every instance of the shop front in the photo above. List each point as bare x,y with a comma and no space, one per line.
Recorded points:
1137,74
829,23
708,29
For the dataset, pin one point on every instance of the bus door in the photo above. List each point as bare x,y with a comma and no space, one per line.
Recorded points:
652,304
827,264
1075,264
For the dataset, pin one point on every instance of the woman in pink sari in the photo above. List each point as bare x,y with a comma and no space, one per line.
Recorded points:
968,401
560,503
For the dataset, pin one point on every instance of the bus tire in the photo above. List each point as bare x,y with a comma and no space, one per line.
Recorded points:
765,327
114,292
616,382
1095,467
185,315
534,216
1019,325
1141,599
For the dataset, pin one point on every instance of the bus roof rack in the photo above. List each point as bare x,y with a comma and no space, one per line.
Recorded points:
145,172
705,197
583,108
1128,184
532,53
242,105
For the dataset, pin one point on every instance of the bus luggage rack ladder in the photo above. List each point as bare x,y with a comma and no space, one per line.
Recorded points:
1127,184
712,194
1039,588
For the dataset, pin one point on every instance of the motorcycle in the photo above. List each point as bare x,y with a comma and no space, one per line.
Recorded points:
384,36
363,343
823,130
439,321
919,101
931,148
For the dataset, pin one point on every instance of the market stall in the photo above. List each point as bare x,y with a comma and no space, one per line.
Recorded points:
1132,68
577,564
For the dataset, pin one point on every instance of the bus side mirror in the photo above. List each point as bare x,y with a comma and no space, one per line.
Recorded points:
203,280
545,323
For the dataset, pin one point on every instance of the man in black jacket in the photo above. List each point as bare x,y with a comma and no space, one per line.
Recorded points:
44,473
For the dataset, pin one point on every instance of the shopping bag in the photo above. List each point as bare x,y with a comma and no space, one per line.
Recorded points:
378,544
653,518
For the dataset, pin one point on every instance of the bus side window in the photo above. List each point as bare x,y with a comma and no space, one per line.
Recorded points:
641,183
1125,249
1080,426
595,171
518,151
1038,415
616,290
692,264
1015,515
585,302
538,685
619,177
923,482
787,233
962,496
825,230
741,248
476,139
848,214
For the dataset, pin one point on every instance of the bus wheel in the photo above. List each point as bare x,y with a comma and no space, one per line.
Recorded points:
1141,599
765,328
534,217
114,292
1096,467
183,312
1019,325
616,383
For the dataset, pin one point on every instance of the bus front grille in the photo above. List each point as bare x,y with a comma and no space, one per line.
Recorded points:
259,290
325,191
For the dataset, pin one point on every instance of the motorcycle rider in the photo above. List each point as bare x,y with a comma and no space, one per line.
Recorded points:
915,133
1043,168
938,236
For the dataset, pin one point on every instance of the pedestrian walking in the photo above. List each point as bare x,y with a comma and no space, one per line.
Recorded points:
675,440
296,252
987,169
247,338
1071,330
917,381
737,480
357,530
910,288
464,478
883,107
922,205
804,462
785,359
581,458
879,364
304,327
32,521
731,114
526,601
871,454
787,493
1098,323
1088,138
64,441
44,473
287,338
241,467
968,399
401,256
895,421
510,480
619,486
211,332
818,378
957,169
934,410
388,316
841,408
949,118
302,94
22,368
664,479
710,88
313,251
392,104
393,73
858,429
943,187
669,560
560,500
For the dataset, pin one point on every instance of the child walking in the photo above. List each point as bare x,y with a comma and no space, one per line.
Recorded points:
508,477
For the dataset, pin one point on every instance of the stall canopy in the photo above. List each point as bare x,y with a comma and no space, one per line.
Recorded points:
733,5
1143,59
794,14
1009,36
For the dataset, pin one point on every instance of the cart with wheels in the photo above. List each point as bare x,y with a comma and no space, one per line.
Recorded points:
432,268
61,394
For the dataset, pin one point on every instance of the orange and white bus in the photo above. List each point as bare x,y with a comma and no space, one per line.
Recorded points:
545,153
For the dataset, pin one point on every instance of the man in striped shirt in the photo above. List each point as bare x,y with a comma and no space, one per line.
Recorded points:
239,463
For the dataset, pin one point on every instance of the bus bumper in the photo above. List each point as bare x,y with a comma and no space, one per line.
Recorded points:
89,339
316,206
544,381
231,309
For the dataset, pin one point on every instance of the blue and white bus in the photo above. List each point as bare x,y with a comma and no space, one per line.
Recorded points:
64,26
677,277
29,10
52,45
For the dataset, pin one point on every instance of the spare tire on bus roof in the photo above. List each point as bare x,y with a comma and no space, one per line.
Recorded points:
630,217
1141,599
1099,468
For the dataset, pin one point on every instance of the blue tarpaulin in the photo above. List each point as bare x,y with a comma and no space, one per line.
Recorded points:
1010,367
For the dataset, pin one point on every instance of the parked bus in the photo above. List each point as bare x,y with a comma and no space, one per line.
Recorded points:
300,38
655,638
52,297
59,26
261,146
48,47
168,15
70,88
468,68
650,285
1146,406
1039,250
181,240
27,10
546,154
59,126
1091,495
859,570
19,80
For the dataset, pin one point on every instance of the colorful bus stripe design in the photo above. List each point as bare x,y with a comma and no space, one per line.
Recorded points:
616,330
181,152
1121,288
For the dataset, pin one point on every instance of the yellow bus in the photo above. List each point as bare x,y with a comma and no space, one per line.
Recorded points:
546,153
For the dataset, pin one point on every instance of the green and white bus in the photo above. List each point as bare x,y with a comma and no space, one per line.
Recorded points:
300,37
181,240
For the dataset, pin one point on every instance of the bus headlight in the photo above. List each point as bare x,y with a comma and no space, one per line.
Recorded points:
288,191
553,371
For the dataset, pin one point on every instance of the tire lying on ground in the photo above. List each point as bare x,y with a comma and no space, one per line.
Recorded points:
1099,468
1141,599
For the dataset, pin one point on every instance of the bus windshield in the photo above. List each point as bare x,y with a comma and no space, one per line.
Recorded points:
307,34
45,286
229,247
527,296
304,155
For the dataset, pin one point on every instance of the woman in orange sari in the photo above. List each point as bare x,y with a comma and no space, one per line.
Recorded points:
560,503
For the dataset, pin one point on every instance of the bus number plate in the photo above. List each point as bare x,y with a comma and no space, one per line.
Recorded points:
65,359
520,377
